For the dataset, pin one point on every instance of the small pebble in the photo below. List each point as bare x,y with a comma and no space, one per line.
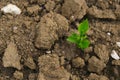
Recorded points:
118,44
15,28
114,55
48,52
10,8
109,33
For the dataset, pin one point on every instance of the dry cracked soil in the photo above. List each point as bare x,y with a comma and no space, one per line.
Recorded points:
33,44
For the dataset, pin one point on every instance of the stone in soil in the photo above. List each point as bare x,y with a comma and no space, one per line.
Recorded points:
95,65
74,9
78,62
114,55
50,69
12,9
18,75
11,58
51,27
102,52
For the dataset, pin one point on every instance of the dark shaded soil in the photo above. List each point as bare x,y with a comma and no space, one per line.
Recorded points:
33,44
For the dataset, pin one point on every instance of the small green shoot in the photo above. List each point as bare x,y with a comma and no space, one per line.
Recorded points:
80,39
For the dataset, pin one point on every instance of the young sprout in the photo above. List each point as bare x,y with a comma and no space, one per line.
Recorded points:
80,39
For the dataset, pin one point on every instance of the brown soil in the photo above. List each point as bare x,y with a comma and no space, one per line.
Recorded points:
33,44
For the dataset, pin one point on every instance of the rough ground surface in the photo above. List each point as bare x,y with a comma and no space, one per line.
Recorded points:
51,27
50,69
33,44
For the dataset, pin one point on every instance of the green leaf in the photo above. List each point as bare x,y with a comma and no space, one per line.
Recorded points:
80,39
83,27
73,38
84,44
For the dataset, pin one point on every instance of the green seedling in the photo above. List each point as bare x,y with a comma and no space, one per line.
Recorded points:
81,39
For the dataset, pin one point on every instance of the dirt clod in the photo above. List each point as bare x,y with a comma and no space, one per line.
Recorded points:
117,11
11,57
50,5
88,50
32,76
102,52
73,77
49,68
78,62
66,50
102,14
51,27
18,75
30,63
3,45
93,76
33,9
62,60
41,2
102,4
95,65
74,9
116,62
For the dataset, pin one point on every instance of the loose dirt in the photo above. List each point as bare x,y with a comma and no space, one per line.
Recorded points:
33,44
